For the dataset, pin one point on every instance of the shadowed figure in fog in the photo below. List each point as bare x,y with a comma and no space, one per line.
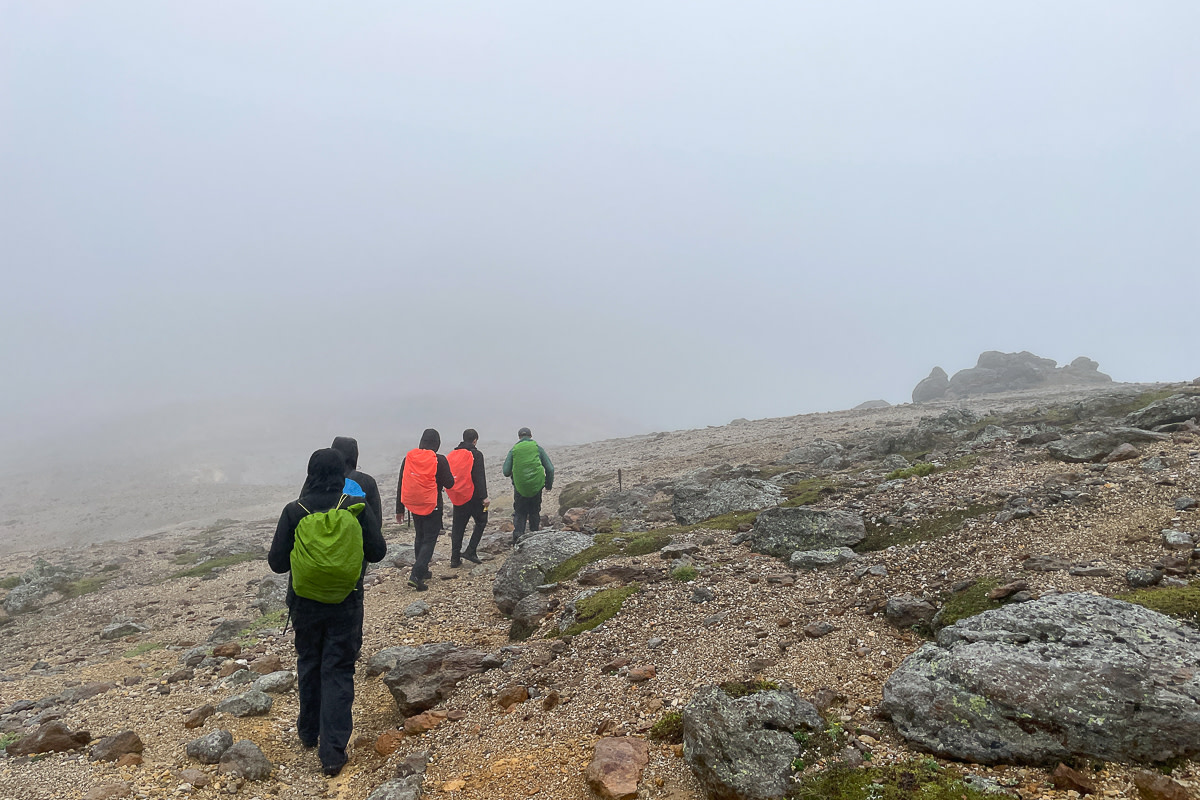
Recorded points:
358,484
531,472
423,476
324,540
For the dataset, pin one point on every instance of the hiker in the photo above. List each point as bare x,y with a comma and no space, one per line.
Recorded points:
423,475
358,484
469,496
325,539
531,471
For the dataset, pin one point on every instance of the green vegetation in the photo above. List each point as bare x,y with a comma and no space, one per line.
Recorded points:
183,559
968,603
880,536
807,492
915,471
84,586
599,607
212,564
218,526
142,649
7,739
1142,400
669,728
577,494
1181,602
818,746
11,582
725,522
743,688
110,568
610,544
684,573
920,779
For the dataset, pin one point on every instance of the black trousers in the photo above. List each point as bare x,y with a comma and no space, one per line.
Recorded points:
526,509
427,529
328,641
471,510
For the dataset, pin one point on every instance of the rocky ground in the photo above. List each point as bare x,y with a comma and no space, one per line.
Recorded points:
996,508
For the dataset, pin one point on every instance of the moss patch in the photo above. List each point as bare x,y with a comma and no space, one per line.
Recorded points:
11,582
577,494
142,649
807,492
919,779
211,564
915,471
668,729
880,536
743,688
1180,602
7,739
607,545
968,603
684,574
84,586
598,608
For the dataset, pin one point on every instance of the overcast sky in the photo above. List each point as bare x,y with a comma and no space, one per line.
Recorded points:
661,214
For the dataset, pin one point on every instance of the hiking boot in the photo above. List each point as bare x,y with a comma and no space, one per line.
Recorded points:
332,771
307,745
428,576
474,559
455,563
417,585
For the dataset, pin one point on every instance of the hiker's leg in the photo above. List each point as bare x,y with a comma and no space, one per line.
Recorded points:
337,683
419,536
520,514
309,640
535,512
481,517
459,518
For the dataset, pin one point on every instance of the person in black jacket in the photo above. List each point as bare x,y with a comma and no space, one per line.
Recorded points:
328,635
476,508
348,447
427,526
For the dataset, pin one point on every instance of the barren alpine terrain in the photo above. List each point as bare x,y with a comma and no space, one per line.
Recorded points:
802,559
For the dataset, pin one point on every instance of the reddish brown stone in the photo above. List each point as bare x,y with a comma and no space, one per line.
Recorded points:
1152,786
422,723
640,674
110,748
511,696
52,737
617,766
1067,779
130,760
197,716
615,664
388,742
108,791
228,668
227,650
266,665
196,777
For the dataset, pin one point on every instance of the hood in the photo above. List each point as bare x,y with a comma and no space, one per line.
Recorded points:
348,448
430,440
326,472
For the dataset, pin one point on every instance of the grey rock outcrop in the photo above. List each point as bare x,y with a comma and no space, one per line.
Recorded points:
1177,408
228,629
872,404
253,703
209,748
528,614
933,387
699,498
1092,447
408,782
782,531
276,682
27,597
421,677
905,611
245,759
818,559
121,629
743,748
272,594
1070,675
534,558
813,452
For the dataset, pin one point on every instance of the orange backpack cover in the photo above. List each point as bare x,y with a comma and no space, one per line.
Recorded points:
419,492
461,463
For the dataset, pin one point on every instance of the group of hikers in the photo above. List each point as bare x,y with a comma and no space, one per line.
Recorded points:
326,537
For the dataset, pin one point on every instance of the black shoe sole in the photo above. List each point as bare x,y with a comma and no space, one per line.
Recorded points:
472,559
333,772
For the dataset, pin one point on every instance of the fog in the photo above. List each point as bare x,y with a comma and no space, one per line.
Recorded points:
246,227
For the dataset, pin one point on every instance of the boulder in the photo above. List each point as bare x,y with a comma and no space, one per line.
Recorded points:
272,594
119,630
197,716
616,767
50,737
246,760
695,501
229,629
813,452
276,682
1095,446
409,780
29,596
743,748
932,388
528,614
905,611
1009,372
782,531
867,405
817,559
534,558
1177,408
1066,676
209,748
250,704
421,677
110,748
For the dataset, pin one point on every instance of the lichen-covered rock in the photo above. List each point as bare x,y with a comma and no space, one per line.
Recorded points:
1095,446
209,748
1177,408
421,677
1071,675
253,703
743,748
245,759
534,558
818,559
696,500
782,531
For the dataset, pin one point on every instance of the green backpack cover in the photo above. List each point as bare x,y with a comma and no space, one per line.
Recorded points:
327,556
528,474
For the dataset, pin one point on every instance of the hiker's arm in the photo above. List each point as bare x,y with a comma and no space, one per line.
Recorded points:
445,478
374,547
280,556
508,465
374,501
400,493
548,467
479,476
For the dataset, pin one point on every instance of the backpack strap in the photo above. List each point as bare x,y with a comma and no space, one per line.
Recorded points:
306,511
